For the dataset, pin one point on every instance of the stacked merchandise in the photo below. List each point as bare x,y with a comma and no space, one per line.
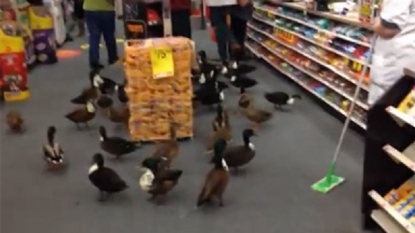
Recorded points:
159,87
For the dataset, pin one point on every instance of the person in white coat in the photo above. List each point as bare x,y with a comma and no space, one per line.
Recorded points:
394,48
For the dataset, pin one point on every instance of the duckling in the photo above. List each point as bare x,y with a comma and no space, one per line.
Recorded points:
221,128
15,121
237,156
217,178
90,93
105,179
116,146
257,116
107,86
82,115
156,180
169,149
239,81
279,99
52,151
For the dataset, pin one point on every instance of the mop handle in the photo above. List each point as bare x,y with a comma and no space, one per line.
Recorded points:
355,98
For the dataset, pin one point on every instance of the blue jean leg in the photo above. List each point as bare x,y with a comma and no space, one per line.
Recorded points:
92,21
108,32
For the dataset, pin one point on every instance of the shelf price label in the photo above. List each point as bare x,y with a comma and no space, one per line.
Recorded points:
162,62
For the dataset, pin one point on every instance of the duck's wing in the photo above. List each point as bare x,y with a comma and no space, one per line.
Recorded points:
168,175
113,179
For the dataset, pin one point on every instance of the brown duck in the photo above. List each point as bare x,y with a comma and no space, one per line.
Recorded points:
256,116
82,115
221,128
245,100
157,180
90,93
15,121
121,115
239,155
217,178
169,149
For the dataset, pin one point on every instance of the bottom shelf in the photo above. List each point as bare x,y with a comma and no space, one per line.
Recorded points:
310,84
386,222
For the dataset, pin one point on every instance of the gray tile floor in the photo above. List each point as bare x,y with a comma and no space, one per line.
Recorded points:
293,151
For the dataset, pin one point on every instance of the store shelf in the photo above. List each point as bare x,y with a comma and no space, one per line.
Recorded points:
315,42
400,117
254,51
351,18
274,11
387,223
334,106
299,51
392,212
407,157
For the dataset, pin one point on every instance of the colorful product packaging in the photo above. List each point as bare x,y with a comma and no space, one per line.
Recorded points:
13,72
41,24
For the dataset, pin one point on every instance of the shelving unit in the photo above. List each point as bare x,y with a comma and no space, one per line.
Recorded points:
333,56
389,163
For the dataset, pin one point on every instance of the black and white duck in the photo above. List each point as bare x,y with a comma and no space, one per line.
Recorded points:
279,99
235,68
90,93
106,86
52,151
156,179
116,146
240,81
239,155
105,179
121,94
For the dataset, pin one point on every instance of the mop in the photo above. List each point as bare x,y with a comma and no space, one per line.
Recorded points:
331,180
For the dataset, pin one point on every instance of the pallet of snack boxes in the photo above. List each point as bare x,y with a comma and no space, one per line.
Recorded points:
159,87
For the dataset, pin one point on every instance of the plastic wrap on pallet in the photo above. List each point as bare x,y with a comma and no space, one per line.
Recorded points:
154,102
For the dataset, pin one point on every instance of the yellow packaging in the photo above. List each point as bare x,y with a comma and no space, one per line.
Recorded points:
40,18
12,37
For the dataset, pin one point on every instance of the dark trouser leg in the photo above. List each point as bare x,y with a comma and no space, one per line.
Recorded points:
238,27
108,31
92,20
223,34
181,25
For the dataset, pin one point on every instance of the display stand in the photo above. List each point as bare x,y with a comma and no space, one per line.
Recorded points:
387,158
146,18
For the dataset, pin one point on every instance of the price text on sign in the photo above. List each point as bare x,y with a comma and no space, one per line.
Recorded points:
162,62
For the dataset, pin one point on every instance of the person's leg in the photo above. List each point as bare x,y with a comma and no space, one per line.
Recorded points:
222,32
92,20
181,24
79,15
238,27
108,31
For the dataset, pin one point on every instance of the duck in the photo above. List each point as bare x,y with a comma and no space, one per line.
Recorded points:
256,116
157,180
204,63
15,121
239,155
221,128
82,115
106,85
104,101
168,149
116,146
52,151
121,94
121,115
240,81
279,99
217,179
106,180
234,68
245,100
90,93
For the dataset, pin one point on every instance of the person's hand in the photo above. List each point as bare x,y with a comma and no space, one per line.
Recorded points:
244,3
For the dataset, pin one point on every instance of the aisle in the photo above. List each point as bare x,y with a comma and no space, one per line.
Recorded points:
293,151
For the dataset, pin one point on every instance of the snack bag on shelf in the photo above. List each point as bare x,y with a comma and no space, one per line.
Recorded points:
159,87
43,32
13,61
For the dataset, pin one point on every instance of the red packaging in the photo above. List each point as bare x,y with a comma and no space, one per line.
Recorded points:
13,71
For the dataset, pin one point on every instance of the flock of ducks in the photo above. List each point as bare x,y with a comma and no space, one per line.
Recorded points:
158,177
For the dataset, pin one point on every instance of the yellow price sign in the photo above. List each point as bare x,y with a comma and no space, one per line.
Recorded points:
162,62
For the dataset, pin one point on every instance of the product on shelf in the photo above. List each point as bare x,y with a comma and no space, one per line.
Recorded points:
403,200
408,104
159,87
43,33
13,40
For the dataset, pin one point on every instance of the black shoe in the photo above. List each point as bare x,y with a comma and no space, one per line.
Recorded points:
96,66
113,61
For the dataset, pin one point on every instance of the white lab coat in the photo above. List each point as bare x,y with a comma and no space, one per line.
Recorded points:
391,56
